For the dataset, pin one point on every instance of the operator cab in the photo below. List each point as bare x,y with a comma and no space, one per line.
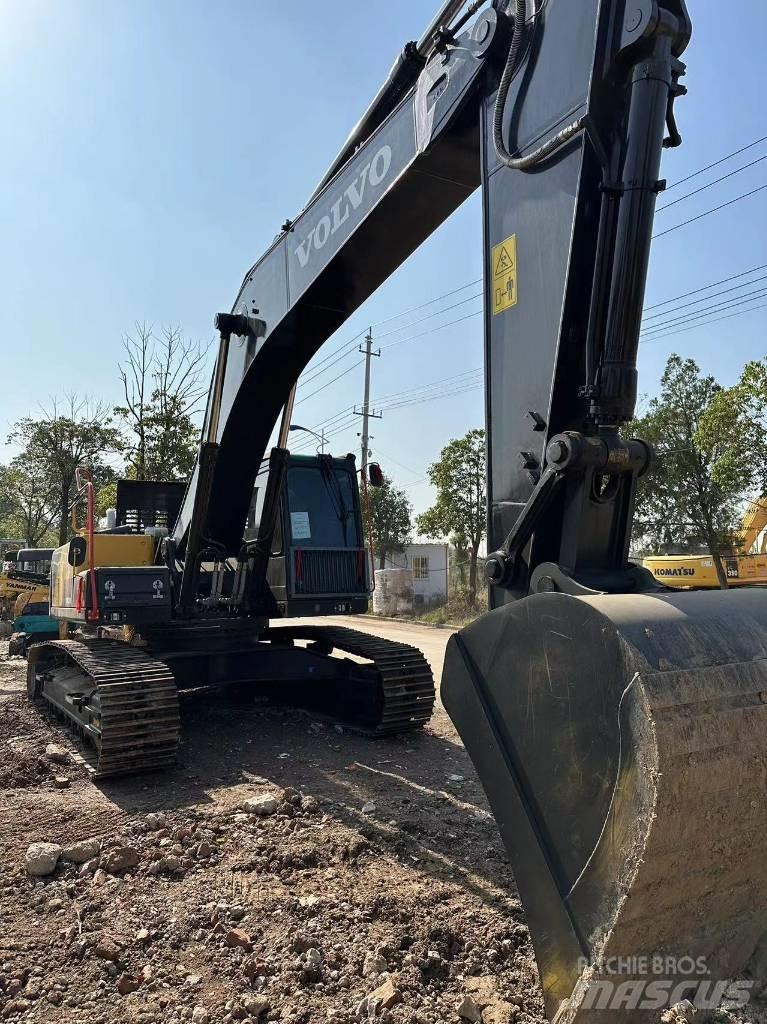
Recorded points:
33,564
318,563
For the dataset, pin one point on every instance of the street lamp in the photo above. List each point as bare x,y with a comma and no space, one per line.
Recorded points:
306,430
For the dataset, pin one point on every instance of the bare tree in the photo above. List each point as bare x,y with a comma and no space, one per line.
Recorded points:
134,376
162,379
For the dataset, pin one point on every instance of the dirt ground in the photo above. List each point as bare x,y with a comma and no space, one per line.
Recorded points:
374,886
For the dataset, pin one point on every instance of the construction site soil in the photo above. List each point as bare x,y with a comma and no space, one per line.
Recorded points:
283,871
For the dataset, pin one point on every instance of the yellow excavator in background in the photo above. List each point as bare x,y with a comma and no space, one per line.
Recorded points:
23,572
745,567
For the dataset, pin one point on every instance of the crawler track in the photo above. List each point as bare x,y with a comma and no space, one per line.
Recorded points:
405,677
124,701
120,699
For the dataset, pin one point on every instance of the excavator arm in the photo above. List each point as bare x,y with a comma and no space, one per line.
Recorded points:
617,727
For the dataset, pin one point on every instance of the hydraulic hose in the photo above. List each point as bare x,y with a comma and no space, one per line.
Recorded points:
513,62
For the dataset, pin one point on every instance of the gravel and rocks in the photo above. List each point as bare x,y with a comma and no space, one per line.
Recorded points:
167,899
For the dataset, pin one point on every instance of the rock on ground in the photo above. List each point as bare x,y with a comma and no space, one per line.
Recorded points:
80,853
120,860
41,859
56,753
262,805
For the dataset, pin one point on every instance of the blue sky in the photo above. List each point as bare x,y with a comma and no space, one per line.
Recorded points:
152,150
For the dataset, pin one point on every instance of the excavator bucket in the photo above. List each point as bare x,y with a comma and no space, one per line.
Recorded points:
622,742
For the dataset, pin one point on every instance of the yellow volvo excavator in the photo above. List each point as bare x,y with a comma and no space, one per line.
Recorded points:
747,566
619,727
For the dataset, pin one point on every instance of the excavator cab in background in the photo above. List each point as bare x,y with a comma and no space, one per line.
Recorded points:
24,571
619,728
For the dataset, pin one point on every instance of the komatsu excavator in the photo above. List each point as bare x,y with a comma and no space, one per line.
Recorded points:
619,728
745,566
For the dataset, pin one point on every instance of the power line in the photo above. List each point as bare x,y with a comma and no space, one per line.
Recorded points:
324,386
339,429
345,350
304,445
423,387
390,458
455,291
430,316
711,184
346,344
705,287
344,419
414,309
433,398
707,213
396,316
716,320
433,393
695,302
715,308
319,373
329,419
716,163
441,327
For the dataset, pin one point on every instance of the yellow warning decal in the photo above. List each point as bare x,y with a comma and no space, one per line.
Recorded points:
504,284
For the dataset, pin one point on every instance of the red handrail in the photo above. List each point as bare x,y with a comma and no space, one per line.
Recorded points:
84,485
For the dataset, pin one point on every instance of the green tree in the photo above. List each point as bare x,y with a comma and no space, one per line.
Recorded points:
74,433
460,546
106,497
391,517
694,493
735,425
28,501
8,505
460,510
162,379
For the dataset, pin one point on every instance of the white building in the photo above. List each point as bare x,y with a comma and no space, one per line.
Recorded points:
429,564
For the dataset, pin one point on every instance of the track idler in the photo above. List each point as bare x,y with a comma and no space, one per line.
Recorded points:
622,743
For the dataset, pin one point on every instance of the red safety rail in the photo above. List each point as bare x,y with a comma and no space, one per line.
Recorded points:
85,489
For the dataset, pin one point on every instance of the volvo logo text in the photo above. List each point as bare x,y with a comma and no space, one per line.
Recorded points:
371,174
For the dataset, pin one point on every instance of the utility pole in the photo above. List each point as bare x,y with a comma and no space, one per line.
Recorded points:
366,413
